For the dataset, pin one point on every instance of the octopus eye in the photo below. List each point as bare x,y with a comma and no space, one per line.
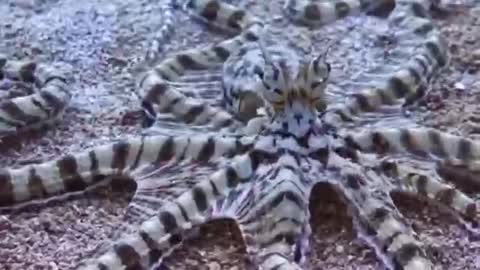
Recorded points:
278,91
266,85
259,71
321,105
317,84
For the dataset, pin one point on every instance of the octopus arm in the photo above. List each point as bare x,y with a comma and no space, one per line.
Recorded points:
433,187
457,160
41,107
159,96
411,81
158,235
422,142
221,14
273,217
429,184
322,13
378,221
112,162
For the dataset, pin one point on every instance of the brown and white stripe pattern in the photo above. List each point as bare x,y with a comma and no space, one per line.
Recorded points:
429,186
409,82
318,13
45,105
272,211
157,234
272,226
418,141
380,224
391,234
73,173
158,95
221,14
164,33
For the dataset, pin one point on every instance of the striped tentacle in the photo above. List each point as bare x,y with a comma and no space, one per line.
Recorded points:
379,222
409,82
459,161
272,213
465,173
276,229
42,107
159,234
418,141
77,172
160,96
164,33
159,183
222,15
429,185
432,187
318,13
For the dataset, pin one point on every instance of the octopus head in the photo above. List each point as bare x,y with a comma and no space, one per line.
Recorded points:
295,97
